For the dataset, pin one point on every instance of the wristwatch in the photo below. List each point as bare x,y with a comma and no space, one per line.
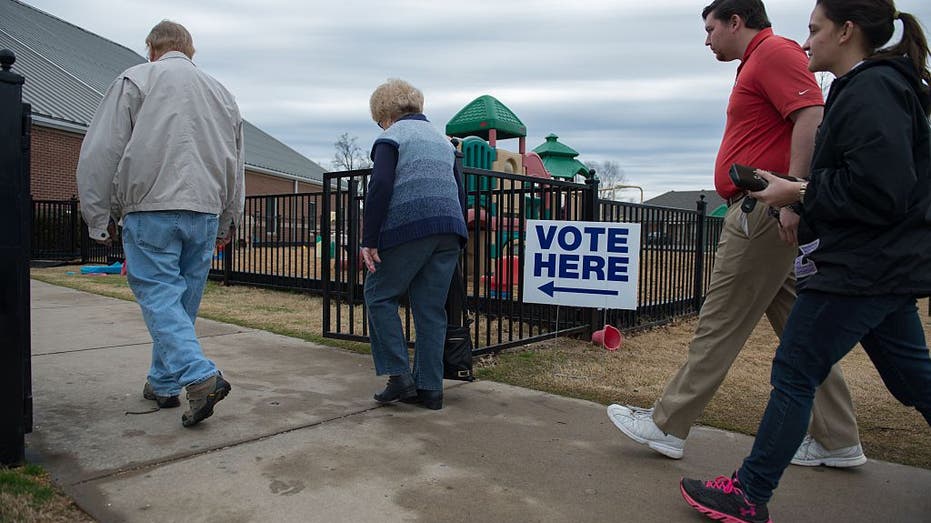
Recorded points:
801,192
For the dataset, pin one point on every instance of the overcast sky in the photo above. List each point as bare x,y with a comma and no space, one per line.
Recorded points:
623,80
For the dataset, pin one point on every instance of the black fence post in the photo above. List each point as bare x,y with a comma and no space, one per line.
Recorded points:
228,259
15,244
74,228
325,247
456,298
590,210
700,252
590,213
353,241
84,241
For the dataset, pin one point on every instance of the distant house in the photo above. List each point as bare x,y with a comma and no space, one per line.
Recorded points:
67,71
674,228
689,200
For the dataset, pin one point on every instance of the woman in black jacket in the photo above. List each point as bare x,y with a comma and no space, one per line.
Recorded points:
865,240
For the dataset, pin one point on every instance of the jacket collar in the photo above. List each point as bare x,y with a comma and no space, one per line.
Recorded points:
900,64
174,54
414,116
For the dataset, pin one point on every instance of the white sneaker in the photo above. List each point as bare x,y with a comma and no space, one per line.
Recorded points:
811,454
637,424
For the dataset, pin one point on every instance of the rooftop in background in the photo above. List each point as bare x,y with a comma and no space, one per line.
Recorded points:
688,200
481,115
68,69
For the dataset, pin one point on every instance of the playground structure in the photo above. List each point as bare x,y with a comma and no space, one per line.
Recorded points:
495,227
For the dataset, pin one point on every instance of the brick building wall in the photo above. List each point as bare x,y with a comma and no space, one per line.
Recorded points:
54,163
260,184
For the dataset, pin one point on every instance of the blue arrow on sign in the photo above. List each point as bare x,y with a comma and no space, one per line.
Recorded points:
551,288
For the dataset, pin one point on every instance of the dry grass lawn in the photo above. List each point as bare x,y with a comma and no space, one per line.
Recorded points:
635,374
289,313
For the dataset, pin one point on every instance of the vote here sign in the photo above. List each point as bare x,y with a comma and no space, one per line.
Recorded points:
586,264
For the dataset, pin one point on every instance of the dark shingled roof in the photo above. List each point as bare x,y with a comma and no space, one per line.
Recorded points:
68,69
687,200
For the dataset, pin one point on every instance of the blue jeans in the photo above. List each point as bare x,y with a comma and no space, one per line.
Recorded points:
821,330
423,269
168,256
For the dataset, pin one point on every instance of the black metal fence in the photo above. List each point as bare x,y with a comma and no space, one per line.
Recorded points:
310,242
59,233
278,244
676,257
56,230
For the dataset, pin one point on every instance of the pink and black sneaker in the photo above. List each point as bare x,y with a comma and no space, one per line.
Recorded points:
722,499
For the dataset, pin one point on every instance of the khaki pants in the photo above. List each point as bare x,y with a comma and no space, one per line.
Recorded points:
753,274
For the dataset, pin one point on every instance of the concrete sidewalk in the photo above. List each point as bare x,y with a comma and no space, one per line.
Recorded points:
300,439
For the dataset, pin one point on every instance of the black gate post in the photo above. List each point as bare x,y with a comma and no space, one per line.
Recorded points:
228,258
15,239
590,213
84,240
700,252
353,240
74,228
456,297
325,247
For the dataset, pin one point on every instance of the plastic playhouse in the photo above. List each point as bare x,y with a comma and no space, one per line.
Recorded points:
480,125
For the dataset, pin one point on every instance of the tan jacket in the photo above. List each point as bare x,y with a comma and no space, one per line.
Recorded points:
166,136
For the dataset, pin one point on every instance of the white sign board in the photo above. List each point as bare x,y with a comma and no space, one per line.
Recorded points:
586,264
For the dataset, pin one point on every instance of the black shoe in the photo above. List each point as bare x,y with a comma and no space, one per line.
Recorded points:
399,387
163,402
428,399
723,499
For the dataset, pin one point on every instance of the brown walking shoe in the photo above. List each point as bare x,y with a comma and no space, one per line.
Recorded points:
163,402
202,397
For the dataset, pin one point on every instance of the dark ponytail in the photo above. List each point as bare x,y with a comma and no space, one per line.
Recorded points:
876,19
913,44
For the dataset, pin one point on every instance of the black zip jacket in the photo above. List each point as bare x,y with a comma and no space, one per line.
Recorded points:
868,202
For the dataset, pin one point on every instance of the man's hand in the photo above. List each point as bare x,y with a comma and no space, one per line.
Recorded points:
370,257
221,242
788,225
111,233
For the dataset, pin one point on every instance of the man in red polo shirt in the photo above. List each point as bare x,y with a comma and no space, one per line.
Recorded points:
772,116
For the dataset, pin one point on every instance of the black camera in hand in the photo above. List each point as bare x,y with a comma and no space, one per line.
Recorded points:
745,177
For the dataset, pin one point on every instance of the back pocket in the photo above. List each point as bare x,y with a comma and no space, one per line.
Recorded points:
152,231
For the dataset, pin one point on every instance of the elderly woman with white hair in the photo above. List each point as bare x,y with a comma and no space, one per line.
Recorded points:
413,230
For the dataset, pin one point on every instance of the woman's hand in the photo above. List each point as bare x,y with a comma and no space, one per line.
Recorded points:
779,193
370,257
788,225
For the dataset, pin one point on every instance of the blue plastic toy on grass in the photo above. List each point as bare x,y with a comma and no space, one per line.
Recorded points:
102,269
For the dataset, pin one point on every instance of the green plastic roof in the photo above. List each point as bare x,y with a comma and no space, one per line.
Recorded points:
559,159
482,114
552,147
562,167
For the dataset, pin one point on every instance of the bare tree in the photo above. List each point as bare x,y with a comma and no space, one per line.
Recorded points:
609,175
349,155
612,179
609,172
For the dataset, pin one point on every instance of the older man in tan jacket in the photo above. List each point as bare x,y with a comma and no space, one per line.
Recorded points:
164,154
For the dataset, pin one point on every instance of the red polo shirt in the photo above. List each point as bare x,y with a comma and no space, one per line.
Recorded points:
773,81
